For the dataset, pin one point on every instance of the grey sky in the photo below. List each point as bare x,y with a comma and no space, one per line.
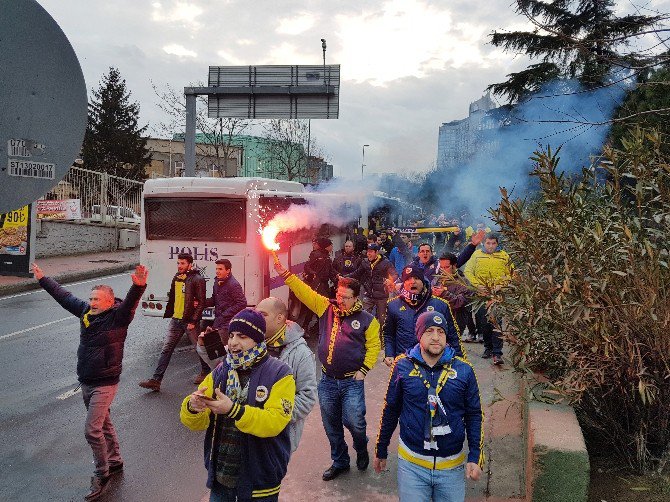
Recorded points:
407,65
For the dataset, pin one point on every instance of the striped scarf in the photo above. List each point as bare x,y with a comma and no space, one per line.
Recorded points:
337,319
244,360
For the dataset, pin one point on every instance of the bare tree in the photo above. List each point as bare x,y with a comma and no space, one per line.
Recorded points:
287,146
219,132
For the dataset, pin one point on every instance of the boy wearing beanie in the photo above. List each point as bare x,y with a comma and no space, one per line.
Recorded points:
432,387
245,404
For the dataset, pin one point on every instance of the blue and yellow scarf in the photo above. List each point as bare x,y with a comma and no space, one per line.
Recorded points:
244,360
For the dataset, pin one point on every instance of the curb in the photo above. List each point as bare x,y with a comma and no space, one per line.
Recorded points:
557,463
65,278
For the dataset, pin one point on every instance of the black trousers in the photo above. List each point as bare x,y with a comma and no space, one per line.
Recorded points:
492,335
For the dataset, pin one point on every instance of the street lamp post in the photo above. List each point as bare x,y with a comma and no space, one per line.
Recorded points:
363,163
364,202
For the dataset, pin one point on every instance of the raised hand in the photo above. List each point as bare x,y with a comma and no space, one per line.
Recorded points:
37,271
140,276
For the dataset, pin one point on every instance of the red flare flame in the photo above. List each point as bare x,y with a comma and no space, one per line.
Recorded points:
269,237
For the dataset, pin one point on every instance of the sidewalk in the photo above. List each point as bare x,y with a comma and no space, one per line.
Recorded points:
504,471
74,268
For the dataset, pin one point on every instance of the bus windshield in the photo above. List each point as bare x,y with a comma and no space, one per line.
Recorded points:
198,219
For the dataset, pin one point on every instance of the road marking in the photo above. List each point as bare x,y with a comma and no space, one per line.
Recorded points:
68,285
9,335
69,393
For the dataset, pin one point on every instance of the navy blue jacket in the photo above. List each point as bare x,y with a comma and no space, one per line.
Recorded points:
399,327
100,351
406,399
227,299
264,459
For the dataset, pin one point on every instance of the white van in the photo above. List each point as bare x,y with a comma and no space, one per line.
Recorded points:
116,213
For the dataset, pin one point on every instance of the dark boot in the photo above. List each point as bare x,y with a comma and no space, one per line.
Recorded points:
98,485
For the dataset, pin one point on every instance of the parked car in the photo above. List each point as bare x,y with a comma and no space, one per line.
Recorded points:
115,213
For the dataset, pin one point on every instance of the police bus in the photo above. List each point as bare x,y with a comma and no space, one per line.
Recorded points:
214,218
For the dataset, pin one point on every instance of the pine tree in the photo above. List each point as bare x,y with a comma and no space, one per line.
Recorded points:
580,39
113,142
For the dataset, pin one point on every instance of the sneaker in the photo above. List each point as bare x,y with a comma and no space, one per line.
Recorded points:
98,485
487,354
151,384
199,378
497,360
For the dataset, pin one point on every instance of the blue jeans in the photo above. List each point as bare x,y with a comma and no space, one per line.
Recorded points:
99,430
420,484
222,494
176,330
342,403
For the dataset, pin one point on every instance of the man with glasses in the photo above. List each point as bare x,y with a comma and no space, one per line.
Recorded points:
348,347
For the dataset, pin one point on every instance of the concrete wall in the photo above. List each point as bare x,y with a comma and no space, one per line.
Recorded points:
557,468
62,238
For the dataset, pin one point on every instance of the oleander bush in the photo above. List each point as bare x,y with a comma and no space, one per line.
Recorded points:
589,306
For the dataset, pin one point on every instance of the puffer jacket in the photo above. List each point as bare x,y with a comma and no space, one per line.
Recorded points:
194,297
102,336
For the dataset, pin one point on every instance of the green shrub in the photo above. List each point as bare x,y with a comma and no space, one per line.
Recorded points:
589,305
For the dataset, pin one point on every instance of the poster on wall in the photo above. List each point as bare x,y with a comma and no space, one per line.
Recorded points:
68,209
17,238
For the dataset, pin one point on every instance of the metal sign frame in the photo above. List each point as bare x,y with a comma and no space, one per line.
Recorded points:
263,92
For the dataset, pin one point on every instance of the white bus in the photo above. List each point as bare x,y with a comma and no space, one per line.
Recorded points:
214,218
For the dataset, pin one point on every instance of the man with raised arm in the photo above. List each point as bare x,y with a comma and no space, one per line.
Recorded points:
103,328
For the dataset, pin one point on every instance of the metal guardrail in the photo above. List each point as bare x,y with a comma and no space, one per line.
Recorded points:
103,190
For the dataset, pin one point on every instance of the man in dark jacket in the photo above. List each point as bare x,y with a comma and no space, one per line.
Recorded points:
104,322
414,298
227,298
452,285
186,300
377,276
347,260
318,270
434,395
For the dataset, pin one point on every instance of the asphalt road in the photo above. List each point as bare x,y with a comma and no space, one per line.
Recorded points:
43,453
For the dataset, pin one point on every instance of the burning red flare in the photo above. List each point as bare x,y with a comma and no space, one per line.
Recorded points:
269,237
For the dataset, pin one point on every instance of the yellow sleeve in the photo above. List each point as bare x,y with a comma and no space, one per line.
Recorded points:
469,270
197,421
372,346
312,300
270,420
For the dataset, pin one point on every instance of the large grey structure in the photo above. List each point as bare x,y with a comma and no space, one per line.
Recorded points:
459,140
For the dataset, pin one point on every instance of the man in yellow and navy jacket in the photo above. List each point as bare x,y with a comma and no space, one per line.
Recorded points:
435,396
245,404
348,348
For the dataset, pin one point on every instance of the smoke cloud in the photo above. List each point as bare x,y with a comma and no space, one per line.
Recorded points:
562,115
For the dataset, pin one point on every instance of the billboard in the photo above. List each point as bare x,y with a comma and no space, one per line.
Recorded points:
68,209
273,91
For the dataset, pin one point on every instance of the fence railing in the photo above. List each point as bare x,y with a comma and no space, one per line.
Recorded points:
97,192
